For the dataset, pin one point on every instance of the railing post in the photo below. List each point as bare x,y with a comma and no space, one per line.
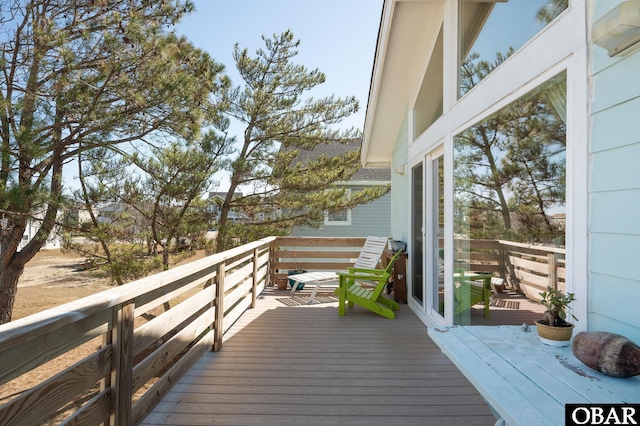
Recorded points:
502,261
553,270
254,288
272,263
122,367
218,327
212,304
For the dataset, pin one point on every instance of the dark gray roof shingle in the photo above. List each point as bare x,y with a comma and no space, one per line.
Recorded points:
334,149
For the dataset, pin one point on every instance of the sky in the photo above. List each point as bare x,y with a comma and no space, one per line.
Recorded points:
336,36
510,24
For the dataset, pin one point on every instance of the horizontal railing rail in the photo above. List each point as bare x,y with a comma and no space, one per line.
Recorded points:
144,335
313,254
533,268
140,338
528,268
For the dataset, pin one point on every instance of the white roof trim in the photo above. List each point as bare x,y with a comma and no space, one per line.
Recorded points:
402,51
376,75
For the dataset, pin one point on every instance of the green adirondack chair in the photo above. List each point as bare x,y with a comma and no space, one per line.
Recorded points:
467,294
370,295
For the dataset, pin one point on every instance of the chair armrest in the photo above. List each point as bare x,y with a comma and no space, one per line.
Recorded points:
382,277
366,271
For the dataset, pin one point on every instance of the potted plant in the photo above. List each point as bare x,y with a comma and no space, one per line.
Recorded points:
553,329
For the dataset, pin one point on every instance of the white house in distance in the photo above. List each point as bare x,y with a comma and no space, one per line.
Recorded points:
557,114
54,241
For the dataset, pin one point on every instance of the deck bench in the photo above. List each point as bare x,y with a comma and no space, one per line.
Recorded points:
523,381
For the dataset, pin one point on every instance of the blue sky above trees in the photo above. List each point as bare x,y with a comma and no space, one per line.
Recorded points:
337,36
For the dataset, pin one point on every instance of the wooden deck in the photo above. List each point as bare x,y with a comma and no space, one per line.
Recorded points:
306,365
512,309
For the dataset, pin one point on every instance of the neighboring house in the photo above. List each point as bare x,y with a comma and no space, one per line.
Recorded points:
54,241
214,207
364,220
425,110
109,213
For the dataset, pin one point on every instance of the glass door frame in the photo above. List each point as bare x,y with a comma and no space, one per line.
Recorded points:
431,235
416,294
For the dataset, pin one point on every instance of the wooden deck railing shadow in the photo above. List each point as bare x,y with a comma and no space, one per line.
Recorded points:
141,348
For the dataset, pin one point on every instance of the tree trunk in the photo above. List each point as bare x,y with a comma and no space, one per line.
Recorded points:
165,257
9,276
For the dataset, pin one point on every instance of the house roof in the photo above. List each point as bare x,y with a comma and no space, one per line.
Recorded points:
406,38
223,195
380,174
407,46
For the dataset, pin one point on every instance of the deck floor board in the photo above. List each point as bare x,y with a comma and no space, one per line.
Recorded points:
284,365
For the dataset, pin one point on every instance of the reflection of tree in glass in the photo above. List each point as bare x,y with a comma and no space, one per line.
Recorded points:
477,149
473,69
535,161
510,170
551,10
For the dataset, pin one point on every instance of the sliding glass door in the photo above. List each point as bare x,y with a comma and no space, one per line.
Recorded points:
417,233
427,225
436,237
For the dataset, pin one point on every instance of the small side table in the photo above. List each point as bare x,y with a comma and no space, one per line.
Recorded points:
399,275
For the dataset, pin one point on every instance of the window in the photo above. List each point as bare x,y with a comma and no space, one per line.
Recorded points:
342,217
510,190
428,106
491,31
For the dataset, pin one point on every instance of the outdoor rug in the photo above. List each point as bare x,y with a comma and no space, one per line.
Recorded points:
304,300
502,303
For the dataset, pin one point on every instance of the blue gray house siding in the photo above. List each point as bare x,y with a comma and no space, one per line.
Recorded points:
366,219
614,296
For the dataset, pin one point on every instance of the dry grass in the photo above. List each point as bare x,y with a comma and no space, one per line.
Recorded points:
53,278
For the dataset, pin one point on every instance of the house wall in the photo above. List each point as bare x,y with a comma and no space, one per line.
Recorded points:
54,241
368,219
615,191
401,184
560,48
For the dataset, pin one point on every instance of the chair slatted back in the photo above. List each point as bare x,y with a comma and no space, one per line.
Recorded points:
371,252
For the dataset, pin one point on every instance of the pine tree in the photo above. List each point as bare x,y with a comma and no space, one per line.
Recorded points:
280,124
78,75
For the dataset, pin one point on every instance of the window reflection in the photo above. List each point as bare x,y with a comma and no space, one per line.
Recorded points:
417,221
510,170
509,199
491,31
438,232
428,106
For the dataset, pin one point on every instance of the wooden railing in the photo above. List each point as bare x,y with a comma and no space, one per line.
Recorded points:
141,337
135,341
532,268
313,254
526,267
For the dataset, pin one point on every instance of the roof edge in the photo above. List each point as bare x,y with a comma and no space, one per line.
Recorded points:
386,16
